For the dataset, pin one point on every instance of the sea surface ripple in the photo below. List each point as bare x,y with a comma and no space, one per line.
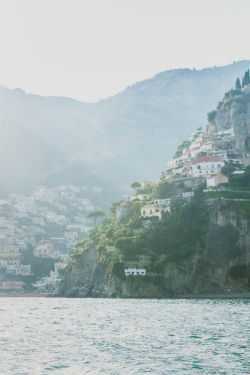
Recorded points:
114,336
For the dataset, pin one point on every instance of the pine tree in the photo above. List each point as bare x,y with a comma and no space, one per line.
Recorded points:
246,79
237,84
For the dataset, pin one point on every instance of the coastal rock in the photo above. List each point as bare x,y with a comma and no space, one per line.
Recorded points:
222,266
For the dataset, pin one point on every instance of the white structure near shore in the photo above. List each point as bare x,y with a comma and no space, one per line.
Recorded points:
135,272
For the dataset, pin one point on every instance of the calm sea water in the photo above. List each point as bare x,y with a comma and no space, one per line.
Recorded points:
101,336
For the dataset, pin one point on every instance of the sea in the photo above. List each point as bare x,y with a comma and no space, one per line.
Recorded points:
124,336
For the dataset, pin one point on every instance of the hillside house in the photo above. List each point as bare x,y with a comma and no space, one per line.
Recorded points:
216,180
153,210
205,165
144,259
10,255
187,194
162,202
23,270
143,197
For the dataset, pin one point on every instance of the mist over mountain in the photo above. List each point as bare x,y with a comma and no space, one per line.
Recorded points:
130,136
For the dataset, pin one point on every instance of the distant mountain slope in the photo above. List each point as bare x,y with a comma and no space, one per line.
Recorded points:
125,137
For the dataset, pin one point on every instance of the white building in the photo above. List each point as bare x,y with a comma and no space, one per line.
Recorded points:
151,210
75,227
162,202
205,165
23,270
142,197
44,250
135,272
187,194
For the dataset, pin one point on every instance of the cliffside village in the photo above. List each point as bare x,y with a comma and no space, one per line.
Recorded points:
197,160
47,224
202,156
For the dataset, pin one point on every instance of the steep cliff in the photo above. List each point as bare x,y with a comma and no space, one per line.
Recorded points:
234,113
88,278
221,265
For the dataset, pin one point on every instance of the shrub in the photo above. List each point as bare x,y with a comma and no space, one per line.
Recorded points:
211,116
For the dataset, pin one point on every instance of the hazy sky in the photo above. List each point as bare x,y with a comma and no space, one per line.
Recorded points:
91,49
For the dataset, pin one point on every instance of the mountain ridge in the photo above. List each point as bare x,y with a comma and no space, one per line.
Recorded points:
129,135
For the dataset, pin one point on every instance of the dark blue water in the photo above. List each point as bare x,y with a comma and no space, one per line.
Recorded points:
101,336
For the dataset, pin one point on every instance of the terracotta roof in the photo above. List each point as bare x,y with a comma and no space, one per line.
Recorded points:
205,158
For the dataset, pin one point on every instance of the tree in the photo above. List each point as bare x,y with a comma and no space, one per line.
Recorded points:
246,79
228,169
135,185
95,215
237,84
211,116
127,246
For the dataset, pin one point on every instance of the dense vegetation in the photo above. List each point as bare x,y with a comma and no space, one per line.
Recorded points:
173,238
233,92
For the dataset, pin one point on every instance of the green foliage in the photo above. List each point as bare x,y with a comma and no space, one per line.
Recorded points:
110,232
80,248
179,234
114,207
238,272
246,79
135,185
230,94
117,269
127,246
237,84
184,144
211,116
228,169
164,190
96,214
147,190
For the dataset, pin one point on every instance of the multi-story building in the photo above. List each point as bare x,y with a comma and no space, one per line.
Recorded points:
10,255
205,165
23,270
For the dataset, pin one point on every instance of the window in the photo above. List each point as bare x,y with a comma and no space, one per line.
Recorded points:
151,212
144,212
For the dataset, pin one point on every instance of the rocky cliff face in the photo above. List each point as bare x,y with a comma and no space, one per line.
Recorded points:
222,265
88,278
235,113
